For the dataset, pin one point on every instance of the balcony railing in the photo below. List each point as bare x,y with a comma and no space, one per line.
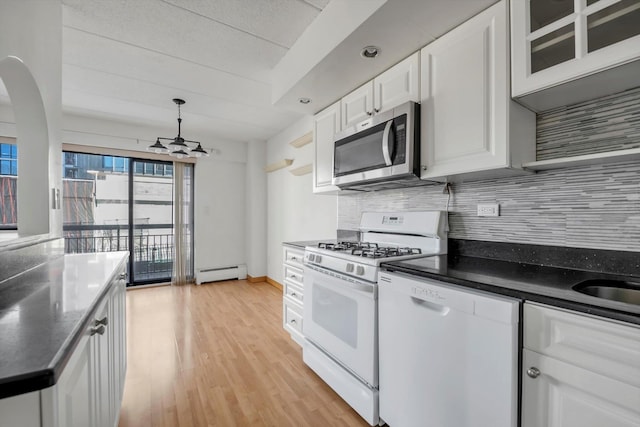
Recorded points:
152,246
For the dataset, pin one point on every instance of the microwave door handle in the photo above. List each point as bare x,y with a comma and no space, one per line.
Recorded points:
386,153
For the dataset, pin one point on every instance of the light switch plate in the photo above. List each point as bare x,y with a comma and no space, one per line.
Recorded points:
489,210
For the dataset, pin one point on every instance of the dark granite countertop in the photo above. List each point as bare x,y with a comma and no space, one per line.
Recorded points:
43,312
301,244
544,284
342,235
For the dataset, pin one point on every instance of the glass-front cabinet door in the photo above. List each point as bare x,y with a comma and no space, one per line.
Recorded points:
557,41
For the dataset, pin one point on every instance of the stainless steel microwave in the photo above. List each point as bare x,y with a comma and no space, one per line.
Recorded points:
380,152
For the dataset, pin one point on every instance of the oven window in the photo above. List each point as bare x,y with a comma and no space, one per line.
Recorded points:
359,152
336,313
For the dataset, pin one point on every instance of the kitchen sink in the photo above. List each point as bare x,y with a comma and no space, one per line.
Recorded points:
614,290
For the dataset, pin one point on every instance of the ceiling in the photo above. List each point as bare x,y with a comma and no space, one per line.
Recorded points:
126,60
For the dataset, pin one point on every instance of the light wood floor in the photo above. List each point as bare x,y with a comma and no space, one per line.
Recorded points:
216,355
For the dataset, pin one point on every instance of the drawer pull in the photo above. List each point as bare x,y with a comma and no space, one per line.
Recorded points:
533,372
96,330
293,276
294,258
293,294
104,321
293,321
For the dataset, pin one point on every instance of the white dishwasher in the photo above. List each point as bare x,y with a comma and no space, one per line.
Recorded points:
448,355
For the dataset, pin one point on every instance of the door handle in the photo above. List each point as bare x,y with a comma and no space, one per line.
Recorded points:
533,372
442,310
96,330
386,152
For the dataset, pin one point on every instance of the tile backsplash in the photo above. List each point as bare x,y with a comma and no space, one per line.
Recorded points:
594,206
605,124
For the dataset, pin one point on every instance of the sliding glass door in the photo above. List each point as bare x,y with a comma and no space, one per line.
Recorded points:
116,203
152,221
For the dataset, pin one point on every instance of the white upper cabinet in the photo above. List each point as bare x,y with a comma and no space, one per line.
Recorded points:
358,105
397,85
565,52
326,124
470,127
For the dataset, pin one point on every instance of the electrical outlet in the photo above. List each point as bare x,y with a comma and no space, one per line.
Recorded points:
489,210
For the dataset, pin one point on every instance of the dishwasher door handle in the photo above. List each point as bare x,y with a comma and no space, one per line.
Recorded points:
439,309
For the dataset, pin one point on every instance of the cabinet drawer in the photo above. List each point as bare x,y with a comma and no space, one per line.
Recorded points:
292,319
294,275
602,346
293,256
293,291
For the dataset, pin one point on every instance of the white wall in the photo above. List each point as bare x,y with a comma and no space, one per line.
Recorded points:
293,212
219,213
256,204
31,30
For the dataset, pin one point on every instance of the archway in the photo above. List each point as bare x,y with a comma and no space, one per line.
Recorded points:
33,146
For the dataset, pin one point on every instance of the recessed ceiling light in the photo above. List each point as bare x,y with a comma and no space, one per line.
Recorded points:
304,101
370,52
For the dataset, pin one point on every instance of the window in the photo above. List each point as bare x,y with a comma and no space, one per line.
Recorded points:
8,186
107,162
120,165
115,164
152,168
8,159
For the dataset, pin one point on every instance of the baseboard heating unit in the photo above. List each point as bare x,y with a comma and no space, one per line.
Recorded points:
205,275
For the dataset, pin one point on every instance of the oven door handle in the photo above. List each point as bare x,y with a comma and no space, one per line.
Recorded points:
387,152
359,286
346,282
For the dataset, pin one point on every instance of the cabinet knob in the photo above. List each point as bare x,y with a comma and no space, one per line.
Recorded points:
293,294
294,258
104,321
369,113
376,110
533,372
96,330
122,276
293,321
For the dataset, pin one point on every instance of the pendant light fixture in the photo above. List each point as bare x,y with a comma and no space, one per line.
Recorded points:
178,147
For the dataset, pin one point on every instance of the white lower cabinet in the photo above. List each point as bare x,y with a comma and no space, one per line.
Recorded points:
89,390
293,293
22,410
118,344
579,371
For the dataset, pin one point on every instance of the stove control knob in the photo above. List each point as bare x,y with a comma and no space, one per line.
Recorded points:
360,270
349,268
318,259
312,257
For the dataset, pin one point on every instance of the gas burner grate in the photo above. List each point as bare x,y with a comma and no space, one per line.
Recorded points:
343,246
384,252
369,250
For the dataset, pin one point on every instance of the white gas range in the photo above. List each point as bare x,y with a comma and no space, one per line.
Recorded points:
341,310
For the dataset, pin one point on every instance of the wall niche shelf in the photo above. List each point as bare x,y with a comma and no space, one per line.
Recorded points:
302,141
585,160
278,165
302,170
